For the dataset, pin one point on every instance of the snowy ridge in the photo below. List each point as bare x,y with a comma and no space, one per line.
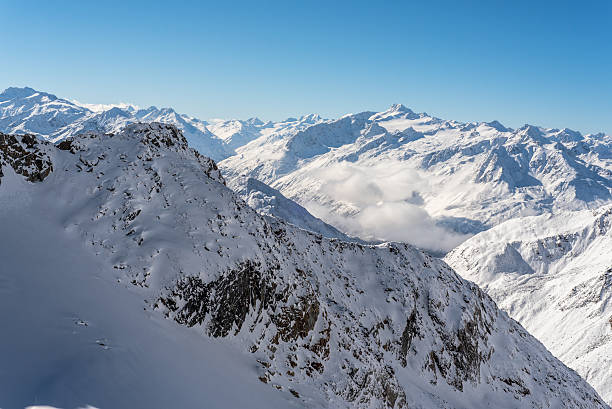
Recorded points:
326,322
553,273
271,202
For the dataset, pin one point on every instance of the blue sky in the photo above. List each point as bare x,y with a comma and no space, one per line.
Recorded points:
538,62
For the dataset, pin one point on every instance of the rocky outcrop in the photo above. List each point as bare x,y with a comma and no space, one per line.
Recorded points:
23,154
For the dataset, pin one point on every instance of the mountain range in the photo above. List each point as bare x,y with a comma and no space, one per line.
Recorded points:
141,227
443,180
398,175
524,213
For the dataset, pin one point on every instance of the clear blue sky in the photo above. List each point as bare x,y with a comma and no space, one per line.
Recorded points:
538,62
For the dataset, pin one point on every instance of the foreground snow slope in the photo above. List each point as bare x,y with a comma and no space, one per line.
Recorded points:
554,275
75,333
136,226
412,177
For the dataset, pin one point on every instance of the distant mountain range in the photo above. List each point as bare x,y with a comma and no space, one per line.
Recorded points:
25,110
399,175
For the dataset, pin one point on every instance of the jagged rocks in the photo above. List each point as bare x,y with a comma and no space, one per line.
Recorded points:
410,331
22,153
225,301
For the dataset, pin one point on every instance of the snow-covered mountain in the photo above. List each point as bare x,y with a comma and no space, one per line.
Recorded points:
399,175
552,273
25,110
110,233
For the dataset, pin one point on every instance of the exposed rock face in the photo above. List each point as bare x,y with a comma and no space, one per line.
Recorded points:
351,325
23,154
293,320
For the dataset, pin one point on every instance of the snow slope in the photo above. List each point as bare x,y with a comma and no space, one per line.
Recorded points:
399,175
128,228
552,273
75,333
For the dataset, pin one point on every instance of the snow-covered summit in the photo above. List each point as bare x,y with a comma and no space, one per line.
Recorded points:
495,124
24,93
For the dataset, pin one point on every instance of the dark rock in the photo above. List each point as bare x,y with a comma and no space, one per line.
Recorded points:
24,154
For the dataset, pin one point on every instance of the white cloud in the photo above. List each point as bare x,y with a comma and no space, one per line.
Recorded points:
389,199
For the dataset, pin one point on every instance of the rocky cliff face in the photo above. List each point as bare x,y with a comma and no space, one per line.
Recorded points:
324,320
24,155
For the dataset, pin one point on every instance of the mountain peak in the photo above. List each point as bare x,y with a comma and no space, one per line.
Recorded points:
21,93
115,111
254,121
310,118
495,124
531,131
156,134
399,108
395,111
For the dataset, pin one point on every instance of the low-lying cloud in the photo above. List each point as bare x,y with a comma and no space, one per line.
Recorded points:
383,203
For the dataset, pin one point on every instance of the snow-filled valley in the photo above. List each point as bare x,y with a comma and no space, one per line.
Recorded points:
128,261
